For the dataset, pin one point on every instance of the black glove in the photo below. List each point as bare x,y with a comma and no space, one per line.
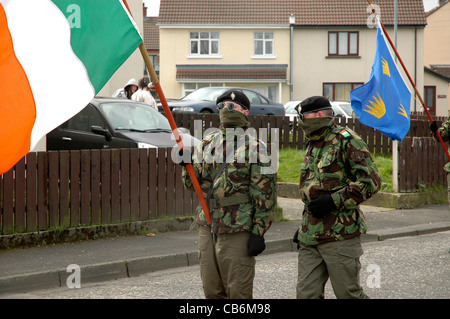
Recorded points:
295,239
184,157
433,126
321,205
255,245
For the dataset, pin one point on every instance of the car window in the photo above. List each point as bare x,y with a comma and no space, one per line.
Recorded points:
291,109
347,108
254,98
84,120
337,110
125,115
342,108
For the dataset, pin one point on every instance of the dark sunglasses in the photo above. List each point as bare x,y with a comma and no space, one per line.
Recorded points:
229,105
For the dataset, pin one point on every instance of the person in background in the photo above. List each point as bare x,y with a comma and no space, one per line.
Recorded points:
337,175
143,93
153,91
127,91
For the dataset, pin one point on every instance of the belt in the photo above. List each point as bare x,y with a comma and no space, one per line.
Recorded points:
229,201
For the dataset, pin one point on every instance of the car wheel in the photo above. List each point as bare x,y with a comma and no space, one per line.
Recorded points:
206,111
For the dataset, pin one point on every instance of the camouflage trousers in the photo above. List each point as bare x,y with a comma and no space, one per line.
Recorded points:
226,269
337,261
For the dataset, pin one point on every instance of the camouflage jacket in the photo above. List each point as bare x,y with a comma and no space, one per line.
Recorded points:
337,163
245,176
444,131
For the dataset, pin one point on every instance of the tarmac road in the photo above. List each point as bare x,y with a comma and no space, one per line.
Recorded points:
128,257
415,267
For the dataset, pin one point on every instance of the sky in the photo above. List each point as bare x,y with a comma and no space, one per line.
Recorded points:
153,6
427,4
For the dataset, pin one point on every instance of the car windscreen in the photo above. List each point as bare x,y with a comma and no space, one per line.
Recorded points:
134,116
291,108
204,94
347,107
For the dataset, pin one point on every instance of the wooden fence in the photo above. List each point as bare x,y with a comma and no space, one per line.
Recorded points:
63,189
421,159
421,164
52,190
377,142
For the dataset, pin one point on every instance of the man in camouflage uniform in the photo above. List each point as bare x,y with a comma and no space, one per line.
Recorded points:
337,174
243,197
444,132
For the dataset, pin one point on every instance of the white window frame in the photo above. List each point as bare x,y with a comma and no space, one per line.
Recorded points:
265,40
201,37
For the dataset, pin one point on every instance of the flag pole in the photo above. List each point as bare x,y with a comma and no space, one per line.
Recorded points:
173,126
412,82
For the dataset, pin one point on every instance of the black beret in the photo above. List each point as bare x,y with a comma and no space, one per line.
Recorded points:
235,96
312,104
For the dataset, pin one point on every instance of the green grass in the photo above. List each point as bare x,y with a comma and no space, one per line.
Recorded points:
384,164
290,161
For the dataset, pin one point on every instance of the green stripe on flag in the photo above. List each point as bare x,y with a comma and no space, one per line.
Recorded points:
102,36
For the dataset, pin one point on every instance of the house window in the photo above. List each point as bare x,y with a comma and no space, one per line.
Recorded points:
204,43
339,91
343,43
155,62
272,93
430,99
263,43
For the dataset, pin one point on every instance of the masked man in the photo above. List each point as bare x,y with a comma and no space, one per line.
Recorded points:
241,193
337,174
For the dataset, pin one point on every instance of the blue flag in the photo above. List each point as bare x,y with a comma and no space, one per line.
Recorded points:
384,102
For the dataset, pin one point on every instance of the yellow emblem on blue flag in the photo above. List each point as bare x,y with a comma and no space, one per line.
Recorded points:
384,102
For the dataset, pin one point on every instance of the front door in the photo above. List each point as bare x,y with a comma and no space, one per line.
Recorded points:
430,99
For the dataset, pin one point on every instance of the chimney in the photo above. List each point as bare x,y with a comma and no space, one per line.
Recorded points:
144,9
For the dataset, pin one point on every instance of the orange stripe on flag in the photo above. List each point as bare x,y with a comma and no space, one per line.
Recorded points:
17,106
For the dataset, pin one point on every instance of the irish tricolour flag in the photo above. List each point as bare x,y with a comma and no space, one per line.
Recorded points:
54,57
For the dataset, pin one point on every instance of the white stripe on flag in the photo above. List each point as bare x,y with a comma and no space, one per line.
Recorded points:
41,39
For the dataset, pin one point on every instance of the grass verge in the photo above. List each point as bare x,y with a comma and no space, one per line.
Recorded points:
290,161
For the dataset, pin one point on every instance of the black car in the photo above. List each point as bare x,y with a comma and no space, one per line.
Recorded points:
116,123
203,100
